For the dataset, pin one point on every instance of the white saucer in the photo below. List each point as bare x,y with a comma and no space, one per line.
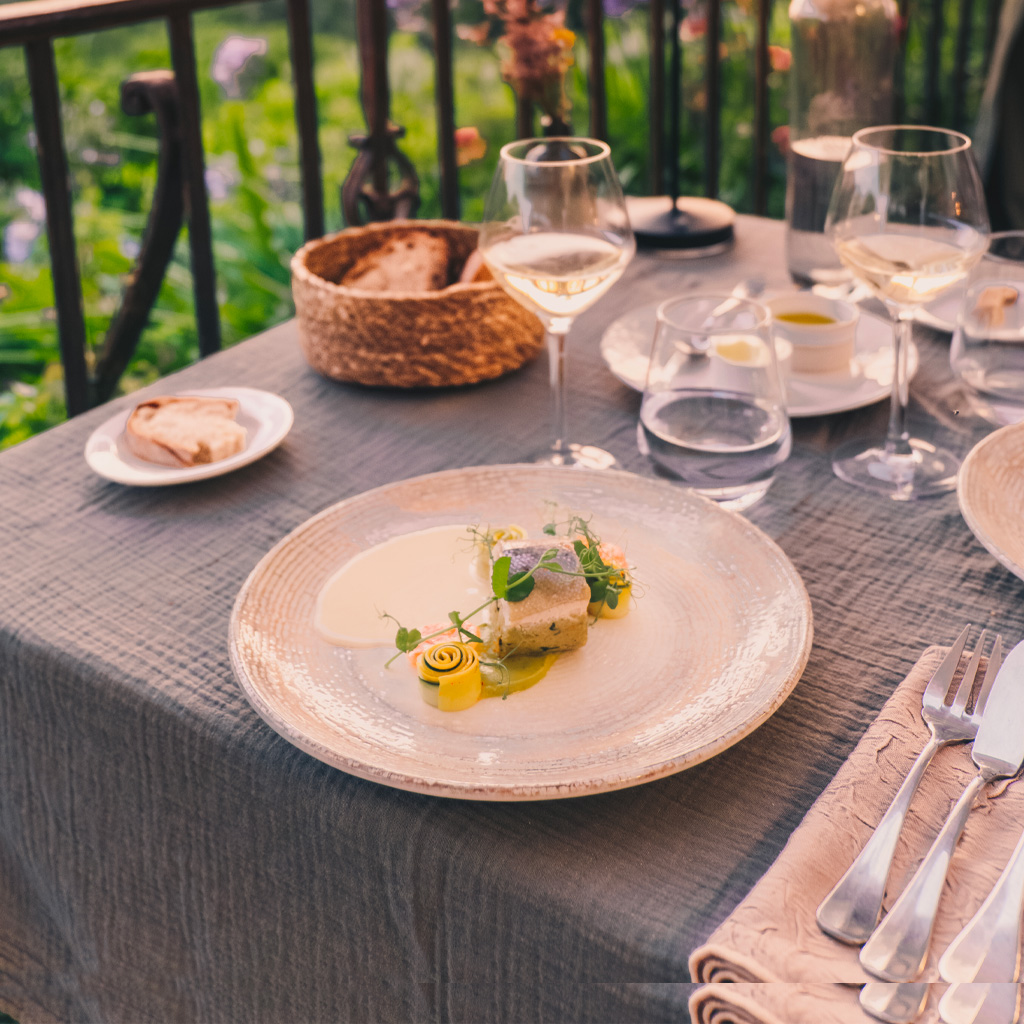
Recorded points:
626,346
267,418
941,315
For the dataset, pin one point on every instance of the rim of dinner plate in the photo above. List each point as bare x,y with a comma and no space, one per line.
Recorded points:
603,151
859,138
964,483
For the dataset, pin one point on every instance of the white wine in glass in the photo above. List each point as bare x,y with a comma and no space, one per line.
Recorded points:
556,236
908,218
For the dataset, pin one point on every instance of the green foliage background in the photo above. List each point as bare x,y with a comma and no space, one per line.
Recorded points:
252,161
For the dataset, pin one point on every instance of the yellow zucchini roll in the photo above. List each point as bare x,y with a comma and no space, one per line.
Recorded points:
452,671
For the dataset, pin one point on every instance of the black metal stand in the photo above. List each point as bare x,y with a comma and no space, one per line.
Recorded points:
690,225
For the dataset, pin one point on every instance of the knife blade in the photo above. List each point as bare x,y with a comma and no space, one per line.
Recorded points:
999,745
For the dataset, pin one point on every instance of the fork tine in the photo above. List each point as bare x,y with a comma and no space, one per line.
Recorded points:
995,662
943,676
966,684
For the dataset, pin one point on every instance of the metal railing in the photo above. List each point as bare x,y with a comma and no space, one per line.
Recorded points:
367,193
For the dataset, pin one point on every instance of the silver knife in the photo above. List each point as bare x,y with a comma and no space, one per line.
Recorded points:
898,948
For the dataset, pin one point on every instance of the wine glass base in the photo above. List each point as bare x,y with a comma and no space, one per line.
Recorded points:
736,498
577,456
925,472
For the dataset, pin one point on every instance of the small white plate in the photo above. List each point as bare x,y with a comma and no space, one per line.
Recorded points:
266,417
990,488
626,346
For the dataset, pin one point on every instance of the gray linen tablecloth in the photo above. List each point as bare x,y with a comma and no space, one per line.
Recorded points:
165,856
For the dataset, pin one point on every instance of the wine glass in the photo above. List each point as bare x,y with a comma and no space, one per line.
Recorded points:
908,218
556,236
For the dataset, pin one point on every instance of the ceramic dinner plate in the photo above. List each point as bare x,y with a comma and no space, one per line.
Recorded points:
626,346
716,640
990,487
267,418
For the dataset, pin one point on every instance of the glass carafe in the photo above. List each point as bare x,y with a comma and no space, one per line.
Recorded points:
841,80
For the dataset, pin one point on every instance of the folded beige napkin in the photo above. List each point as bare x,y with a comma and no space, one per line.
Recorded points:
772,936
780,1003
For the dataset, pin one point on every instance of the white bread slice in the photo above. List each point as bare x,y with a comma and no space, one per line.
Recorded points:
184,431
413,261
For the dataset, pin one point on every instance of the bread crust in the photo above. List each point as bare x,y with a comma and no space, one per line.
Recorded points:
183,431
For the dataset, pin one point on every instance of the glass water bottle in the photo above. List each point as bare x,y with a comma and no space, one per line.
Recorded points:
841,80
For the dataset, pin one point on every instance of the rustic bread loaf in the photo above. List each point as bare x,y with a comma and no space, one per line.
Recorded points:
189,430
413,261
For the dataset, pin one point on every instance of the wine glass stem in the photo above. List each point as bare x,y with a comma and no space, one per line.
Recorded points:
897,439
555,337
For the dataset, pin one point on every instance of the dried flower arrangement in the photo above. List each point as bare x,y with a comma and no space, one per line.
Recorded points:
536,54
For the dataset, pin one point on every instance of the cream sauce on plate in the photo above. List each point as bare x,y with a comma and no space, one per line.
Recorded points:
418,578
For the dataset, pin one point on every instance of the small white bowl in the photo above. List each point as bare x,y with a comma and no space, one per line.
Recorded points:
821,347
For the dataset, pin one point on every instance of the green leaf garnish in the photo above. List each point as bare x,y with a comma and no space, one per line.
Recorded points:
520,585
460,625
550,529
499,576
612,598
407,639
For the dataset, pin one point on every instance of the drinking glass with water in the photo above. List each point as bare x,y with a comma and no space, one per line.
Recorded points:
713,413
987,350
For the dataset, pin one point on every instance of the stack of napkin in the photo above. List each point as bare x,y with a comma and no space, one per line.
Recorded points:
785,970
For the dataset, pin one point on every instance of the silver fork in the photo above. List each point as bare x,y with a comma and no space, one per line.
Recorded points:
850,911
898,947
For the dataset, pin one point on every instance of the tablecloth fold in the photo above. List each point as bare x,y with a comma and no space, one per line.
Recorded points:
785,969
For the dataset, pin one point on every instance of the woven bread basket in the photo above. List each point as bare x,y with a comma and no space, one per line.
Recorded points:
462,334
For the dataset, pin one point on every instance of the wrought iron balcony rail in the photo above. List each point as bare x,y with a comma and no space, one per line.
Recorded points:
367,193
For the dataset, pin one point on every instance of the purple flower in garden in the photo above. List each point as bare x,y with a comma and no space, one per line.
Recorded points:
221,178
407,15
32,202
19,240
230,62
20,234
619,8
